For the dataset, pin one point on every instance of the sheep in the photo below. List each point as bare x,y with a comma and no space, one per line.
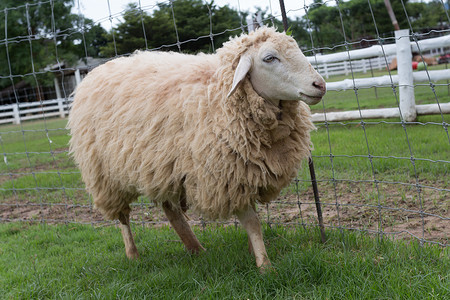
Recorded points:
218,132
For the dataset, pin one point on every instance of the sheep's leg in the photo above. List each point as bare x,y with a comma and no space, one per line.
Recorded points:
250,247
130,246
250,222
182,228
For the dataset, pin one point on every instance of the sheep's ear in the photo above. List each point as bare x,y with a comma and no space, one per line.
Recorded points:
245,64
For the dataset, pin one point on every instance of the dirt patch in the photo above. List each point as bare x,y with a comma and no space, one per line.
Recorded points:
399,210
389,209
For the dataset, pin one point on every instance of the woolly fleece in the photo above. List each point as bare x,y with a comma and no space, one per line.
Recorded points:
159,124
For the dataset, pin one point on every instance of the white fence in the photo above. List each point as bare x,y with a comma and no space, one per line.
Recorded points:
337,63
381,51
405,79
343,67
16,113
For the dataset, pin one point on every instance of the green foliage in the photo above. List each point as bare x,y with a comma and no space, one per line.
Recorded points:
141,30
425,15
38,35
358,22
289,31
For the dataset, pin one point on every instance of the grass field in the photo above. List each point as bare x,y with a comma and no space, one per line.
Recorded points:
82,262
410,164
378,177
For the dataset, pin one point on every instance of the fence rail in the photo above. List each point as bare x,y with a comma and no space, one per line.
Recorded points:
386,80
405,79
347,62
381,50
343,67
16,113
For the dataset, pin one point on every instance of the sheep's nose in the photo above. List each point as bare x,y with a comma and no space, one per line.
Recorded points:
320,85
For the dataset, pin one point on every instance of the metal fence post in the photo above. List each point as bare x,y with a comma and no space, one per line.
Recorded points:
405,76
310,163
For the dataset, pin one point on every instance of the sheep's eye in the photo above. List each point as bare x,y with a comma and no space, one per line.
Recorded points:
269,58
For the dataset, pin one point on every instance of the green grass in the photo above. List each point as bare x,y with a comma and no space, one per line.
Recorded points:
391,147
34,144
79,261
33,161
386,140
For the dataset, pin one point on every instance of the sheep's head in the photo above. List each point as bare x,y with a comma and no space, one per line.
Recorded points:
278,70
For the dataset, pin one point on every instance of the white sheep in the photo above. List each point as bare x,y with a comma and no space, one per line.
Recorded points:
218,133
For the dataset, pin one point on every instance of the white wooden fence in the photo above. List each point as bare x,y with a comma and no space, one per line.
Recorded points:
381,51
16,113
343,67
360,61
405,79
363,65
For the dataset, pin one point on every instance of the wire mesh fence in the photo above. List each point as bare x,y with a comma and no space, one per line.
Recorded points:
386,175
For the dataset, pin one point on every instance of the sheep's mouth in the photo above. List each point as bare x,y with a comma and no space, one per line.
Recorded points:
310,100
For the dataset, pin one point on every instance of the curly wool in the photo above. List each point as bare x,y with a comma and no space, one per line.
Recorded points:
161,125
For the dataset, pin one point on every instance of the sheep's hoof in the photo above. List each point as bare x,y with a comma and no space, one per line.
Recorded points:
265,266
267,269
196,250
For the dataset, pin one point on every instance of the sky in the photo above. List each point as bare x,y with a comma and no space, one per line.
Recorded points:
99,10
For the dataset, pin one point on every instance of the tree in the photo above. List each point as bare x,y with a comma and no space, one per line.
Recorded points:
298,28
140,30
358,20
87,38
41,34
352,19
427,15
